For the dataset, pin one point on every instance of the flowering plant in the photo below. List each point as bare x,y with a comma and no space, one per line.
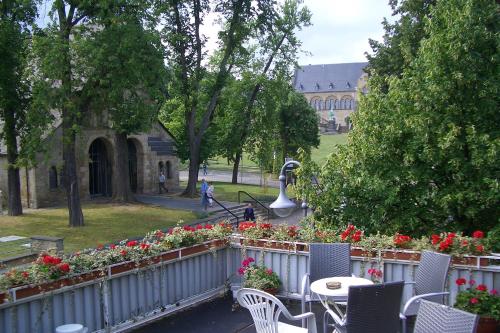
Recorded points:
456,243
478,300
259,277
351,234
256,230
375,275
402,241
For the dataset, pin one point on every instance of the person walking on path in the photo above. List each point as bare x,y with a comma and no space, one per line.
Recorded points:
249,215
205,171
210,195
161,183
203,190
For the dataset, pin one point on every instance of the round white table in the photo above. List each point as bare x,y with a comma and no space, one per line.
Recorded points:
319,288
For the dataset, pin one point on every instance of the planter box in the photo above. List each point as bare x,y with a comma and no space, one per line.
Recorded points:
273,244
3,298
31,290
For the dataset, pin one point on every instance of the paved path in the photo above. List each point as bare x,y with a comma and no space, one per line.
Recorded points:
176,202
252,178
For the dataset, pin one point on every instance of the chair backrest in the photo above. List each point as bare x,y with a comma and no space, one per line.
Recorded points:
374,308
431,274
439,318
264,308
327,260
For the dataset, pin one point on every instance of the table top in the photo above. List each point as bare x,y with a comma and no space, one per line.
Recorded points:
319,286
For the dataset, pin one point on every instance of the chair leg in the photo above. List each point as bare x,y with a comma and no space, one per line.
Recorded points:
303,308
403,325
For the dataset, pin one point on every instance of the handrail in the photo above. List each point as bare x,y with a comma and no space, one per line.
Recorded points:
257,201
227,210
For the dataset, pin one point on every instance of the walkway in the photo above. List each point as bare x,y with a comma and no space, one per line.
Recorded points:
172,201
252,178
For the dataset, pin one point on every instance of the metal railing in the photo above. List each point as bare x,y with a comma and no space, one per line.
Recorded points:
227,210
254,199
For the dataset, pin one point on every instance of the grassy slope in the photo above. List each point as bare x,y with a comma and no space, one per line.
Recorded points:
103,223
229,192
319,155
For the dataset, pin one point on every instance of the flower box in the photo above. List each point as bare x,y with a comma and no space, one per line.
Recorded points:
3,298
274,244
31,290
188,251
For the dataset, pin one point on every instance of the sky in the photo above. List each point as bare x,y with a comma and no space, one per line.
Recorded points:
339,32
341,29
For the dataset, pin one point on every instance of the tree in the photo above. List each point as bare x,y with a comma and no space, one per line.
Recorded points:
127,61
199,92
423,155
15,18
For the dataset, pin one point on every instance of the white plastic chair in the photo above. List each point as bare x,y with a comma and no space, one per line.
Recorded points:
266,310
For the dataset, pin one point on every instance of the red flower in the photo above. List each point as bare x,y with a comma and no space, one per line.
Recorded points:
474,300
144,246
159,234
208,226
266,226
465,242
292,231
64,267
246,225
357,236
132,243
435,239
482,287
461,281
472,282
250,259
451,235
123,253
401,239
494,292
480,248
478,234
241,271
27,275
199,227
112,246
189,228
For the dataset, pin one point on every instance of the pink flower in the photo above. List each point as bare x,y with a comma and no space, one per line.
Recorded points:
474,300
472,282
250,260
269,271
241,271
494,292
245,263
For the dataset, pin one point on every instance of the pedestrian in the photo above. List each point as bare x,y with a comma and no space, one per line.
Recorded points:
161,183
205,172
203,190
249,215
210,195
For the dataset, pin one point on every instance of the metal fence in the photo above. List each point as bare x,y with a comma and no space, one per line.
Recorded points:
126,300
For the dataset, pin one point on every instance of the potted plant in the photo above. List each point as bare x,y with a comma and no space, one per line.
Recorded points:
481,301
259,277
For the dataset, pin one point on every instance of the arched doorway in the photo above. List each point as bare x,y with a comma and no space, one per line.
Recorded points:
132,165
100,171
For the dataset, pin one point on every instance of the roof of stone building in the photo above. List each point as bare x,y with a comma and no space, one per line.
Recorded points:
329,77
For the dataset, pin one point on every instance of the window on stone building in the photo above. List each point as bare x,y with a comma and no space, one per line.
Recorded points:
317,103
52,178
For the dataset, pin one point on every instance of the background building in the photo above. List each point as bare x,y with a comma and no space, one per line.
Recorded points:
333,91
149,154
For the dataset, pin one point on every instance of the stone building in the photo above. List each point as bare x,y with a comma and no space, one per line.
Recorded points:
332,90
149,154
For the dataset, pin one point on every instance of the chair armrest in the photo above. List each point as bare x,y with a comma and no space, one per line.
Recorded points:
300,316
419,297
308,317
409,282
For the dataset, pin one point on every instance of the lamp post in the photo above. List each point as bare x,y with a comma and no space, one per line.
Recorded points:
283,206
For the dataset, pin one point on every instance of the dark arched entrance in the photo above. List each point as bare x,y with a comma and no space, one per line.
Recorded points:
132,165
99,169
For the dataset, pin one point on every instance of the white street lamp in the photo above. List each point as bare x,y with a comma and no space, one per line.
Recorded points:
283,206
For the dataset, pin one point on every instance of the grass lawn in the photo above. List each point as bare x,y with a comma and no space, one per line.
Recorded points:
104,223
229,192
319,155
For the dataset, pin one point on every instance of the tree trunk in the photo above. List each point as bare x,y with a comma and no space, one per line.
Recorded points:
121,182
14,185
71,181
194,167
236,166
69,121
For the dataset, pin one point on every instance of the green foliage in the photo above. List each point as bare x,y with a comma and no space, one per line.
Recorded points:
423,156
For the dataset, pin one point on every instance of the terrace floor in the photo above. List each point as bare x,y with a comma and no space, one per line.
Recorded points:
222,315
219,316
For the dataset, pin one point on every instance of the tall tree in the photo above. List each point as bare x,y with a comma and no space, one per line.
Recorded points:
276,52
423,155
186,55
15,18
